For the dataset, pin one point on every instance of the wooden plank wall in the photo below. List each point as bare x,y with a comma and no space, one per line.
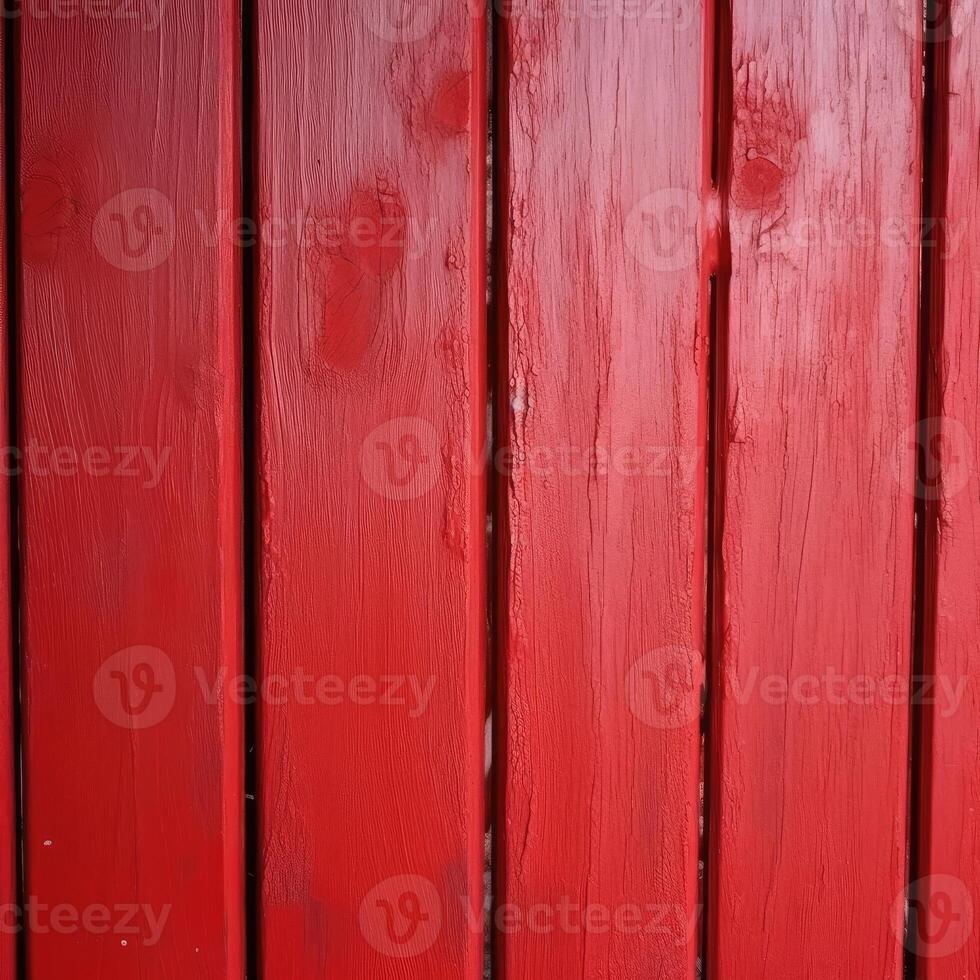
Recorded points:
723,403
372,335
602,395
810,800
130,415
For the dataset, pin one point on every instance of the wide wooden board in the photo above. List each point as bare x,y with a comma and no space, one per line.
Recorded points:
130,420
810,755
371,185
603,427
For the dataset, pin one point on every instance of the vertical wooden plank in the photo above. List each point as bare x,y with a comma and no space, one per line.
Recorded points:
130,419
812,740
944,902
371,192
604,426
8,762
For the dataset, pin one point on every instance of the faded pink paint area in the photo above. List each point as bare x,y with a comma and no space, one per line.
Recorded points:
603,382
809,796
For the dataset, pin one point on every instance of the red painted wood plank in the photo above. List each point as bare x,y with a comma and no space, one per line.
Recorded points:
604,426
8,765
131,545
811,750
371,191
945,900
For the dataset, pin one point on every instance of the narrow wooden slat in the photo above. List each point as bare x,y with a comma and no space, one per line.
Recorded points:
945,899
811,751
8,764
371,154
130,418
602,593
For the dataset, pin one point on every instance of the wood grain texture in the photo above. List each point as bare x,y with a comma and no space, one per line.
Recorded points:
945,901
371,151
131,542
604,427
811,743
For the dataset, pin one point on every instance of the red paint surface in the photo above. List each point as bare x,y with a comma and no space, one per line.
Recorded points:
125,342
8,824
602,594
809,796
371,367
372,420
945,911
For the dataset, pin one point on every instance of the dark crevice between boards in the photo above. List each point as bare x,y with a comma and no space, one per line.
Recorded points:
250,483
498,441
711,707
716,270
12,202
491,500
935,171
